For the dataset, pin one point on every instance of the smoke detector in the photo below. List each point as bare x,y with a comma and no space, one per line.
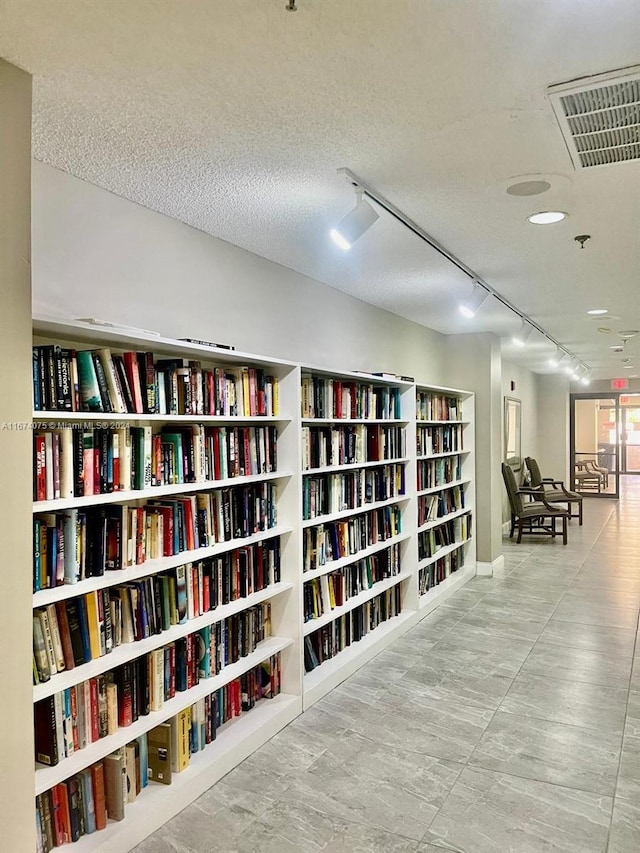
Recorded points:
599,117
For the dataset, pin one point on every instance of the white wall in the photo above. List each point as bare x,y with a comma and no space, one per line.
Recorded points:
526,390
98,255
553,425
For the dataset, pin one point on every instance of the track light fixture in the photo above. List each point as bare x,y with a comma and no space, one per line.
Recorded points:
355,223
363,216
521,337
470,307
557,357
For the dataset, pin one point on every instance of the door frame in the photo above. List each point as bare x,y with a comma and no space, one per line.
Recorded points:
595,395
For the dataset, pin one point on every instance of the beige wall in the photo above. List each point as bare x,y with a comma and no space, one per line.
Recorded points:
98,255
16,743
553,425
586,425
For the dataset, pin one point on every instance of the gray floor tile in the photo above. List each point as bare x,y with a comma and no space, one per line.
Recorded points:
573,702
517,627
489,812
605,580
440,727
453,656
511,652
625,826
605,595
633,714
629,776
480,689
635,675
386,788
554,661
597,614
566,755
614,641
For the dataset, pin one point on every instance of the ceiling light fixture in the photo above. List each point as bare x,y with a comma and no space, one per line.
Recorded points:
523,335
597,311
557,357
547,217
361,221
355,223
571,366
470,307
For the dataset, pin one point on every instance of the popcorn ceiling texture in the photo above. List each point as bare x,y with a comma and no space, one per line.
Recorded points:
234,116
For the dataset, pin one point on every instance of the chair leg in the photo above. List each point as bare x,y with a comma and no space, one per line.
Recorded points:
564,529
519,539
580,512
513,526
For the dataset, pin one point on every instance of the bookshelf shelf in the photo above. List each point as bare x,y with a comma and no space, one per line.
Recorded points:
436,522
151,567
422,457
46,777
346,513
130,651
124,496
352,466
347,421
351,603
334,565
112,417
420,422
433,489
442,552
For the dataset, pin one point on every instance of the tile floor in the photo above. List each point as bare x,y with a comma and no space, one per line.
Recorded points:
508,721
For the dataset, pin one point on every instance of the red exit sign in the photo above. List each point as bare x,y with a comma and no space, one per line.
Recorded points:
619,384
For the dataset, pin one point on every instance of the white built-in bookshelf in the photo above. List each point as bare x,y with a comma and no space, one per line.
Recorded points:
445,492
266,516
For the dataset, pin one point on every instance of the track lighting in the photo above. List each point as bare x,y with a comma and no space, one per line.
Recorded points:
355,223
521,337
570,368
557,357
470,307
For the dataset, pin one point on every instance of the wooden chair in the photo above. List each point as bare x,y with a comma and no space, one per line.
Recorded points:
586,479
531,515
553,491
597,470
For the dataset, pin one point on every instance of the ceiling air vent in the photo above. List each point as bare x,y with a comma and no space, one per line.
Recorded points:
600,117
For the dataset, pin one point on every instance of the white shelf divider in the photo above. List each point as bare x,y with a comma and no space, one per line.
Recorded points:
334,565
352,466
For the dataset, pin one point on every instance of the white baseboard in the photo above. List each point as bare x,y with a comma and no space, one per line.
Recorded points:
506,527
490,569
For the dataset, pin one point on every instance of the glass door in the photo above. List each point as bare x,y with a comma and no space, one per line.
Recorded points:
630,434
596,430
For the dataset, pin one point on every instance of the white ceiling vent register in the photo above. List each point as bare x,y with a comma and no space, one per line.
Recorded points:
600,117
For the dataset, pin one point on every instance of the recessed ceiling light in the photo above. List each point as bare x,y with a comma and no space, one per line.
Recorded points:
628,333
547,217
595,311
627,367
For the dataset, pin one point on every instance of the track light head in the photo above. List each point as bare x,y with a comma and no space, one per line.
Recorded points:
557,357
352,226
521,337
470,307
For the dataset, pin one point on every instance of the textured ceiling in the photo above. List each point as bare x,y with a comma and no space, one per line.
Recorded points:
234,117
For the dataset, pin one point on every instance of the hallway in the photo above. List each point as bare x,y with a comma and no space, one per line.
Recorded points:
508,721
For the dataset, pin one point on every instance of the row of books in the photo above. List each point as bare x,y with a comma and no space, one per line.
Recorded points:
77,630
323,397
327,493
332,590
78,463
334,540
78,716
346,445
438,472
136,383
331,639
75,544
438,439
456,530
432,507
438,407
84,803
436,572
